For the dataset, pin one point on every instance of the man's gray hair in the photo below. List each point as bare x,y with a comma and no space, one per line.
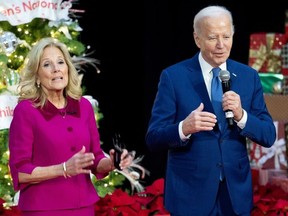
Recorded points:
211,11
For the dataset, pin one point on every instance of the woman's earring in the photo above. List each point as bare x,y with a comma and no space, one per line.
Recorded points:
38,85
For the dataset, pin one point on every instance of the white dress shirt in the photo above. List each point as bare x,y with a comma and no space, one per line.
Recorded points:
208,75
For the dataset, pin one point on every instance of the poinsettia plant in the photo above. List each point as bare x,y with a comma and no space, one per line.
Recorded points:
148,202
120,203
269,200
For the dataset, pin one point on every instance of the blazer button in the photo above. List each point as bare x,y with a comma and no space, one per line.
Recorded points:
70,129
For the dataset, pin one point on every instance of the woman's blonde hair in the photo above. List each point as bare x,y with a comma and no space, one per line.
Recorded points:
28,88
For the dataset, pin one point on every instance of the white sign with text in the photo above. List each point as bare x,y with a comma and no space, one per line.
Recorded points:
18,12
7,105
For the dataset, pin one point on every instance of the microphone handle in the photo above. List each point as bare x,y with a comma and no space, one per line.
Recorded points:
230,117
225,86
228,113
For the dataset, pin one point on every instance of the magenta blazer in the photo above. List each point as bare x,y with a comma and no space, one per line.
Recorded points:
45,137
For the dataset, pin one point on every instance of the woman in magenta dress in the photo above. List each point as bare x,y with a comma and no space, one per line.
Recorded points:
54,142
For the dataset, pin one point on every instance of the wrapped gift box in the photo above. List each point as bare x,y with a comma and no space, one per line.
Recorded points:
284,58
280,181
272,83
277,106
274,157
265,51
274,177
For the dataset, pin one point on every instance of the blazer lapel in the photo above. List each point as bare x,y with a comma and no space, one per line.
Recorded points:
197,80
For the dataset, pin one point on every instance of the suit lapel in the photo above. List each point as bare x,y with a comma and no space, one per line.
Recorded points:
197,80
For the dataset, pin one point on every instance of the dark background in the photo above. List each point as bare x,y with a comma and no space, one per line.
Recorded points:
135,40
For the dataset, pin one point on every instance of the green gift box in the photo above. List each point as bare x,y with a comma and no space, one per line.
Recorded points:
272,83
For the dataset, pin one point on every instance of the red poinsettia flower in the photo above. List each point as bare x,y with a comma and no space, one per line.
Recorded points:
120,203
152,197
1,205
270,200
151,192
11,211
157,187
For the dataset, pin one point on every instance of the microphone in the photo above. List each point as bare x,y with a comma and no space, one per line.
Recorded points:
225,80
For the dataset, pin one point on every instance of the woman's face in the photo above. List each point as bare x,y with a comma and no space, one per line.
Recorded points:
52,71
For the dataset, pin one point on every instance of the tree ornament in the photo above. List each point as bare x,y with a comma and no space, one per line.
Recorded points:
8,42
12,79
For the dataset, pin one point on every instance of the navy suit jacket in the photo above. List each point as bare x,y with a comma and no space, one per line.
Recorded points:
193,166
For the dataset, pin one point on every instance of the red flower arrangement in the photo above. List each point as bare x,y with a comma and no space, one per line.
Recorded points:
149,202
120,203
269,200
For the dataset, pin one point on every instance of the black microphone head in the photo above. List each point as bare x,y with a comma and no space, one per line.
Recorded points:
224,75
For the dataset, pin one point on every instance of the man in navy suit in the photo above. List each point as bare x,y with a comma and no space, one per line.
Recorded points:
208,170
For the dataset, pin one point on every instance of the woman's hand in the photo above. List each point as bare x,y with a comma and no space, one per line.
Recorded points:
79,163
126,158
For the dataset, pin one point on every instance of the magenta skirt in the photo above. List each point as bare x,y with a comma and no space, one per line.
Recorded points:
85,211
